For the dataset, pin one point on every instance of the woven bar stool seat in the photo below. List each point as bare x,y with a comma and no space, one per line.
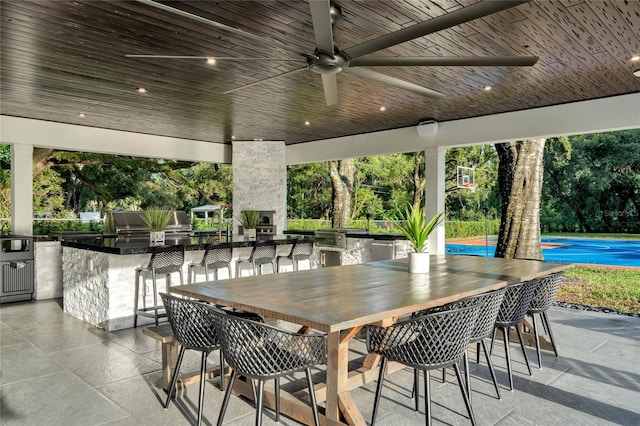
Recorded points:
165,260
428,342
543,297
263,352
194,327
216,257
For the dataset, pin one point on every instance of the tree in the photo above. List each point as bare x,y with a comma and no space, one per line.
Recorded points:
520,174
342,174
592,183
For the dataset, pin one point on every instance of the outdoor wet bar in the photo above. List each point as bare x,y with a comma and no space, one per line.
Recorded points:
99,274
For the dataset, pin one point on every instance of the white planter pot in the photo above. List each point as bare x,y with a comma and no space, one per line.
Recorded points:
419,263
156,237
249,234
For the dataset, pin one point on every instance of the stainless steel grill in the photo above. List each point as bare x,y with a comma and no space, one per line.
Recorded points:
16,268
129,225
336,237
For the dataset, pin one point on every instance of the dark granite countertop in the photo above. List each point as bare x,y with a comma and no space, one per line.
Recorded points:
139,246
354,234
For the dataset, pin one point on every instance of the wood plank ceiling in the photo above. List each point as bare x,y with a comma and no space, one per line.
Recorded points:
63,58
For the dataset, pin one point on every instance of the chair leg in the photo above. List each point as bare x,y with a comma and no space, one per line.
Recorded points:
493,338
259,402
467,376
416,388
383,367
203,371
524,352
537,339
155,295
277,390
312,397
545,320
222,368
135,300
491,370
174,379
478,352
465,396
427,397
505,337
227,395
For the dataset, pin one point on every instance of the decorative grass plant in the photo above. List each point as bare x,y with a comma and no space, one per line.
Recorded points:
413,224
156,219
249,219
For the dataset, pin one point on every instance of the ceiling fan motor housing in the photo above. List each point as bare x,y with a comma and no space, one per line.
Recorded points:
322,63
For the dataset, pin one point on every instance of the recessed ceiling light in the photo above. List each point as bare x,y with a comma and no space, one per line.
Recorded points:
636,73
306,123
211,61
141,90
233,137
487,88
82,115
382,108
635,58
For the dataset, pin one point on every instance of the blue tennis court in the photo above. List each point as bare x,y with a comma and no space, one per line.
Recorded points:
573,250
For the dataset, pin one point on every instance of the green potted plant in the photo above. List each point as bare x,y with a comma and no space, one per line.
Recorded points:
413,224
249,220
156,219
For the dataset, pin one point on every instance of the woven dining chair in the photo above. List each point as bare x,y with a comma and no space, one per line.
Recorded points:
194,327
165,260
514,307
543,297
426,343
264,352
216,257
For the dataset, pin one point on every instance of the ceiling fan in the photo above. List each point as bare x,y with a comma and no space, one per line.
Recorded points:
327,60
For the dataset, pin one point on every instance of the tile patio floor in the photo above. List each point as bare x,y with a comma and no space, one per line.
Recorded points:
55,370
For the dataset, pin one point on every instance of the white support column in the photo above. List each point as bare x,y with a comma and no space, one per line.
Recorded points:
22,189
435,186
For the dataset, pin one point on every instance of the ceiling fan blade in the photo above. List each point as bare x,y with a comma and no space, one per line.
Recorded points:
446,61
451,19
246,86
225,58
395,82
215,24
330,84
321,17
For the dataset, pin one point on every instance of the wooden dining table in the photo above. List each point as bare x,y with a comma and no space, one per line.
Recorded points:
340,301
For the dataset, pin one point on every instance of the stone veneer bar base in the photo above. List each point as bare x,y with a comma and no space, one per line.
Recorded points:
99,287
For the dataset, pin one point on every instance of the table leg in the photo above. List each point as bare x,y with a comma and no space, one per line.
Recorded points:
169,359
337,366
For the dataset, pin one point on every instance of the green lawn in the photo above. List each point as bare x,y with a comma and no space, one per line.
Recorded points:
617,289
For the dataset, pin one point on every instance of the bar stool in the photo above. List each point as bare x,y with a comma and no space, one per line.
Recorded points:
165,260
299,252
216,257
263,253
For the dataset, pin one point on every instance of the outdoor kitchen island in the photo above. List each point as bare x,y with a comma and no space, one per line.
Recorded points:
98,275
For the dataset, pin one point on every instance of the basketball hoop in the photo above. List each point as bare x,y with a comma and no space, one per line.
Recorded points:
466,178
472,186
